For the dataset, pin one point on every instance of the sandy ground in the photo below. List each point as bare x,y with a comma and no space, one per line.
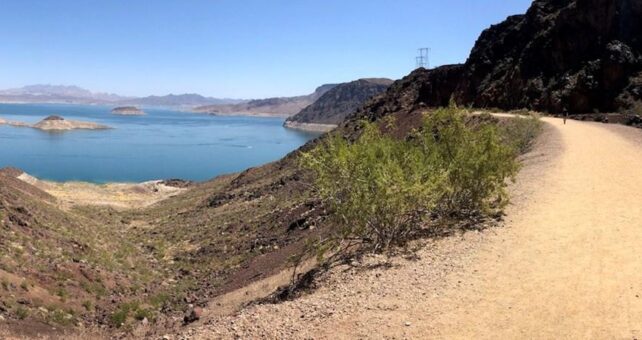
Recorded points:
567,264
117,195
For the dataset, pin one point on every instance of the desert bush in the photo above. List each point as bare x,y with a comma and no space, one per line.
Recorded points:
134,309
22,312
520,132
382,189
474,158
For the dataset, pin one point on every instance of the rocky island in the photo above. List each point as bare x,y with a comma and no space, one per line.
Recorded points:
57,123
127,111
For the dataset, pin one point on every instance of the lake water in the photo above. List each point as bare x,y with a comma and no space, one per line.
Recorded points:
163,144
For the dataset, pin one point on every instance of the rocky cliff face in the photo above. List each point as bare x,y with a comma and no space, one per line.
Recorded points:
581,56
333,107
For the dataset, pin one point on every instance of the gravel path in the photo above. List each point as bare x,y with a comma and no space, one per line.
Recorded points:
566,265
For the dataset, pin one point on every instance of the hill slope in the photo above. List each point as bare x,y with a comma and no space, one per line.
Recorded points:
564,266
335,105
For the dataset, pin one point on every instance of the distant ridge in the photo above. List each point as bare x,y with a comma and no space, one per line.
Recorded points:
188,99
336,104
278,106
77,95
44,93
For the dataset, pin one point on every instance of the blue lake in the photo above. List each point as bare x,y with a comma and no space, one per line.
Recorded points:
160,145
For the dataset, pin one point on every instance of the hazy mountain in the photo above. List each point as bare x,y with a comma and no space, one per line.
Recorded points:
56,94
278,106
190,99
78,95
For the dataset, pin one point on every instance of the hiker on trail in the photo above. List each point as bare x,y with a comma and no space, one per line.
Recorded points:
565,115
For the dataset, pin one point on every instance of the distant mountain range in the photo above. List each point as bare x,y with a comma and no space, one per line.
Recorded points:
332,101
77,95
278,106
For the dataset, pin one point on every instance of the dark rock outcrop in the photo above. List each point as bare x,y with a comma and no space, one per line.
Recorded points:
580,56
339,102
418,89
53,118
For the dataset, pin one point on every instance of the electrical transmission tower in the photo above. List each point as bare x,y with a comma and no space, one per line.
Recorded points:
423,59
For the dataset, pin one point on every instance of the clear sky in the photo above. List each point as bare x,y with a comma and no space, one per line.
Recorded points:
232,48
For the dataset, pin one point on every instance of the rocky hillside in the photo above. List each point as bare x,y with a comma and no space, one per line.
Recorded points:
281,106
581,56
333,107
58,267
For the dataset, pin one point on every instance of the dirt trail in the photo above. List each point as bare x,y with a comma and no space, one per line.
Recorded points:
568,264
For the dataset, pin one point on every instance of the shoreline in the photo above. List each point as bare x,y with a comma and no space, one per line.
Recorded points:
244,114
309,127
119,195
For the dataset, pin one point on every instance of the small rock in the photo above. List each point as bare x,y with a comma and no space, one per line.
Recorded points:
24,301
1,318
145,321
407,323
193,314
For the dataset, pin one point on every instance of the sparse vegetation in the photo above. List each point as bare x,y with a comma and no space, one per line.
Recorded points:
61,317
22,312
382,190
133,309
521,132
62,294
118,318
88,305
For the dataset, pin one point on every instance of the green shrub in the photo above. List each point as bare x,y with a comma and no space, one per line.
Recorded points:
134,309
62,293
61,317
159,300
143,313
381,189
474,159
520,132
119,317
88,305
22,312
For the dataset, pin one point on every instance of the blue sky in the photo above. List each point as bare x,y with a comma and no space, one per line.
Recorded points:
232,48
